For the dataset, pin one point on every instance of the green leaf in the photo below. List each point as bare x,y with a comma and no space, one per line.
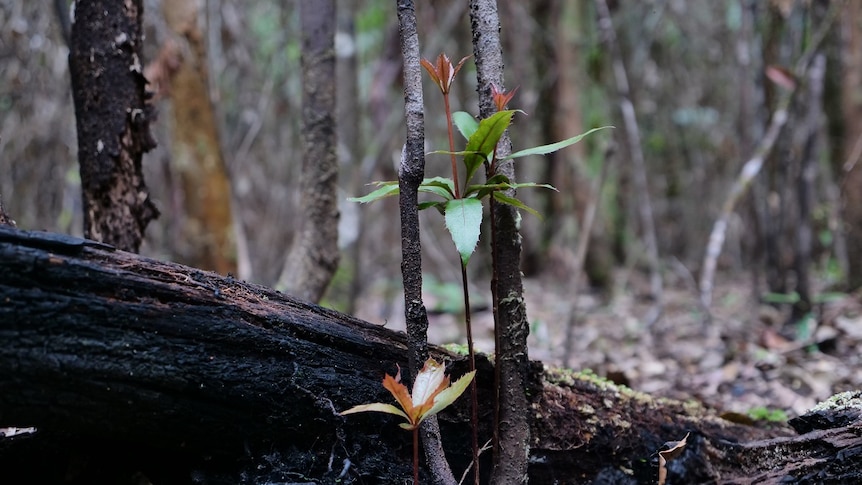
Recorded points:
501,197
378,407
483,141
482,190
464,221
440,206
459,154
450,394
465,122
545,149
387,189
498,181
443,187
533,185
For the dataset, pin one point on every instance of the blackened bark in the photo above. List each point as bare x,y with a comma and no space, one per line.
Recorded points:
132,367
410,175
314,257
113,120
512,328
4,217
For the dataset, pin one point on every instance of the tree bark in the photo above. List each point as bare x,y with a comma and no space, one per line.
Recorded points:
113,120
512,430
635,150
851,103
134,368
207,240
411,171
314,256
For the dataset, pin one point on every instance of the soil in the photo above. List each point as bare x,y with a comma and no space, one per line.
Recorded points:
749,360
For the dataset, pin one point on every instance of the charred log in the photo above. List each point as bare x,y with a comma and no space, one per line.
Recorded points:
139,371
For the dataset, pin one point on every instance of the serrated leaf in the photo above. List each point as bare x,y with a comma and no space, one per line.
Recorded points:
465,122
545,149
464,221
483,141
387,190
501,197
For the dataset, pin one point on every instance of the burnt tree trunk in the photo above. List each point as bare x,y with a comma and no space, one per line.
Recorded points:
132,369
113,120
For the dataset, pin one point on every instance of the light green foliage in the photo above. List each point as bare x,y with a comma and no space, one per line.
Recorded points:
464,220
466,124
483,141
447,296
762,413
552,147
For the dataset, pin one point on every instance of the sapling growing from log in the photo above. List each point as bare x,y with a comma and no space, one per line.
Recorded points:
461,203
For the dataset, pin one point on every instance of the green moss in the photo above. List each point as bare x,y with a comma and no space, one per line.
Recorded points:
457,349
762,413
568,377
844,400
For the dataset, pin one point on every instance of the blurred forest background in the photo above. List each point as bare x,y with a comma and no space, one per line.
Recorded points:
705,79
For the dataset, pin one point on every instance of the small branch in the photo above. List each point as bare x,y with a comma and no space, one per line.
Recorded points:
752,167
581,252
633,140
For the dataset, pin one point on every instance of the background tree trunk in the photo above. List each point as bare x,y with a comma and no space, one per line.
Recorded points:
851,96
130,367
314,256
207,231
113,120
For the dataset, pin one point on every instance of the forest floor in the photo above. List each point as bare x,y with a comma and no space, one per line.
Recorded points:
748,359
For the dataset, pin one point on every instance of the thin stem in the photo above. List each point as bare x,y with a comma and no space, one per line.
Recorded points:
452,145
416,456
495,306
490,168
474,393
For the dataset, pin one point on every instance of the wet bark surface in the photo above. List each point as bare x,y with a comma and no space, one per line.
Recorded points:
134,369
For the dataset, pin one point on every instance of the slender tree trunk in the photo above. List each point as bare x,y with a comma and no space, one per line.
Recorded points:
113,120
752,167
512,328
851,95
410,175
208,232
314,256
633,142
349,107
805,186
